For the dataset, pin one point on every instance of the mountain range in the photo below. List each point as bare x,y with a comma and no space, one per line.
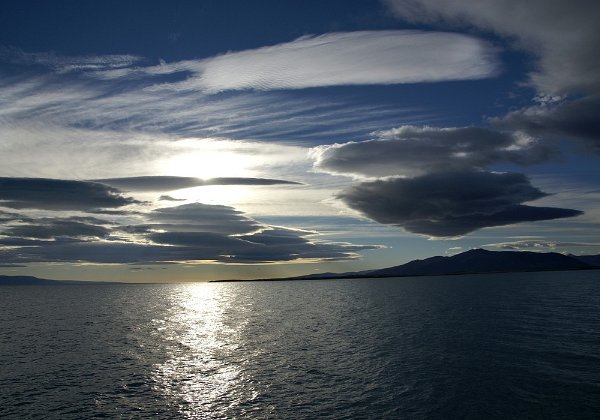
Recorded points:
476,261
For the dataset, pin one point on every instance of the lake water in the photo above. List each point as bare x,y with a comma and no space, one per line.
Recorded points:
459,347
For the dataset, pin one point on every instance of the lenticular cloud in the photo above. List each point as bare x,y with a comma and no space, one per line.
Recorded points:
348,58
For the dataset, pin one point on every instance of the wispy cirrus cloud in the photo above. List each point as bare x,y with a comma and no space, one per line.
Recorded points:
38,101
65,64
341,58
124,94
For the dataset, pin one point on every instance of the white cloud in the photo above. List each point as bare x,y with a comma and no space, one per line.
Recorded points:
65,64
542,245
51,100
343,58
563,35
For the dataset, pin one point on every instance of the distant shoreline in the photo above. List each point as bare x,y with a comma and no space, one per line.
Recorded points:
401,275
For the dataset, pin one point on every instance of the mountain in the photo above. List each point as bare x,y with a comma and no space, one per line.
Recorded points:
588,259
30,281
25,280
474,262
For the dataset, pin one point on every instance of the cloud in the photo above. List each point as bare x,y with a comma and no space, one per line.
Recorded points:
577,118
6,216
524,244
341,58
47,228
169,198
542,245
451,204
204,218
411,151
66,64
187,233
351,58
169,183
563,36
229,251
564,39
99,110
58,194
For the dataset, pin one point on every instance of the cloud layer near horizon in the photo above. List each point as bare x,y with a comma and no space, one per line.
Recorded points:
189,233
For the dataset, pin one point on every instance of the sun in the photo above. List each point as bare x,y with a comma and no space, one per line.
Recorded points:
208,158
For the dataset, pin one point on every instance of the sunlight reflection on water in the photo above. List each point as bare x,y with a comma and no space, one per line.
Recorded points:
198,342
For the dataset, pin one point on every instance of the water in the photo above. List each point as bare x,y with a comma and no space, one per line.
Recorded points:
468,347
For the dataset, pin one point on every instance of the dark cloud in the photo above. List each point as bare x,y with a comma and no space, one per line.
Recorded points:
182,247
137,229
116,212
204,218
169,183
197,240
16,241
248,181
58,194
451,204
6,216
169,198
191,232
49,228
578,118
411,151
232,251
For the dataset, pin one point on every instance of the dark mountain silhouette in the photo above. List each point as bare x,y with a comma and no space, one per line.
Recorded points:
25,280
474,262
588,259
32,281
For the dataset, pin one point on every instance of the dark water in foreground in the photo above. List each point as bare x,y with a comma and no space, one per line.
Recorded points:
477,347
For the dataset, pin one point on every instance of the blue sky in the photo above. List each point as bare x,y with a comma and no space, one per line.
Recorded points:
193,140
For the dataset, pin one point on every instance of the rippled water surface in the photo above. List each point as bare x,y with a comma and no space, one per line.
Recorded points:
493,346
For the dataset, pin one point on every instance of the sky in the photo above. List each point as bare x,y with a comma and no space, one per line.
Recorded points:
152,141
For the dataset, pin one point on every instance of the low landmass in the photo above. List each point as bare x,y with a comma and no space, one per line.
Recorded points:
476,261
25,280
35,281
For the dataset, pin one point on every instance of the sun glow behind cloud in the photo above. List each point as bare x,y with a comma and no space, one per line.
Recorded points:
208,159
